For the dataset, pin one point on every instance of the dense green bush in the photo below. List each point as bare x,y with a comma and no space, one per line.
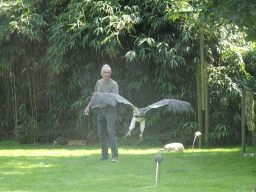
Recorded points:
51,54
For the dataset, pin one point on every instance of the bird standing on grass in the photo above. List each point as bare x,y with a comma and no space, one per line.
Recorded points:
139,113
197,134
60,141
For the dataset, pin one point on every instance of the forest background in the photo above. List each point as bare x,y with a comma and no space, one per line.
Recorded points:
52,51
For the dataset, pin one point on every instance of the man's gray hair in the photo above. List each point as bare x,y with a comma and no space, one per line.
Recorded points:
105,66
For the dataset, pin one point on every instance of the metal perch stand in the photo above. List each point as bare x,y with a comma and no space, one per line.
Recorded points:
157,173
158,159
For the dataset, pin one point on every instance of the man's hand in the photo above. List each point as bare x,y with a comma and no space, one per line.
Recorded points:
94,95
86,111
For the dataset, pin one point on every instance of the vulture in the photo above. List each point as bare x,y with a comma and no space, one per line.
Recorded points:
112,99
60,141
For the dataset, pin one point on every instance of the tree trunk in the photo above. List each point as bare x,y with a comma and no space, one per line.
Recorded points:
15,110
201,84
254,137
207,112
243,121
202,67
200,117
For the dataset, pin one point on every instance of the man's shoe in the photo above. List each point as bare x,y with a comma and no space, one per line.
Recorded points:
103,158
114,159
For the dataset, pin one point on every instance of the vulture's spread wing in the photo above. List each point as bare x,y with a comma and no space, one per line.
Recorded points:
172,105
178,106
120,99
108,99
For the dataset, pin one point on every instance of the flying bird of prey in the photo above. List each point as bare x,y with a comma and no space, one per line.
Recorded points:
139,113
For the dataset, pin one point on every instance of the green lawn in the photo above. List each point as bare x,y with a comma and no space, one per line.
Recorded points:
42,168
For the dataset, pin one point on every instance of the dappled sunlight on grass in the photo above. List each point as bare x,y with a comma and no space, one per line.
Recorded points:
138,151
156,150
64,168
213,150
45,152
73,151
21,165
12,172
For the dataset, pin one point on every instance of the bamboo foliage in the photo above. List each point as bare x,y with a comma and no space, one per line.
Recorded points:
51,53
21,52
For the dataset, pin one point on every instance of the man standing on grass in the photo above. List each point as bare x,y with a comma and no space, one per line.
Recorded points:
106,115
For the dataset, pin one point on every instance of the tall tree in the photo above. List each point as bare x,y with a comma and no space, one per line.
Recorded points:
241,13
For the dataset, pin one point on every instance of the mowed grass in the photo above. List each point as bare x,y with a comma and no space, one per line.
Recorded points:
44,168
